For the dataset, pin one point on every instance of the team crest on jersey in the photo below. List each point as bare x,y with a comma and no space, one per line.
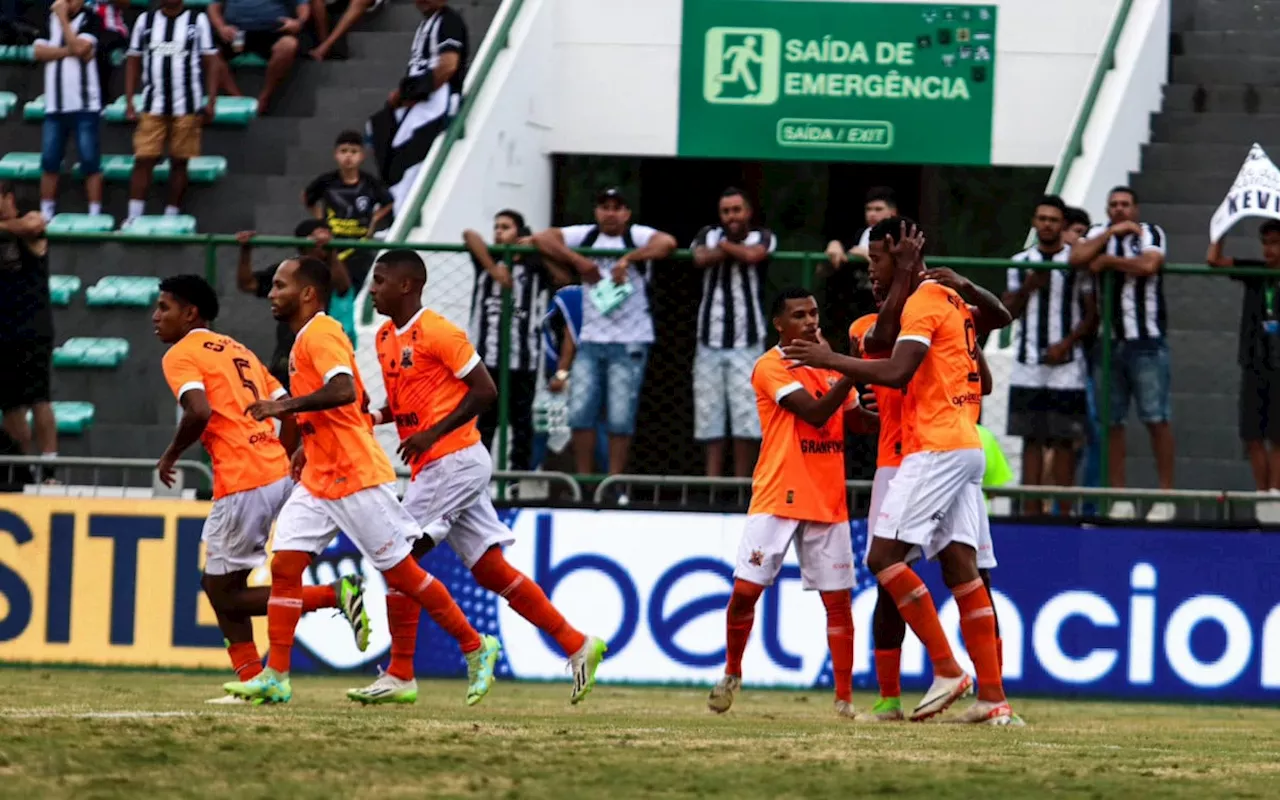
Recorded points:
757,558
293,367
406,358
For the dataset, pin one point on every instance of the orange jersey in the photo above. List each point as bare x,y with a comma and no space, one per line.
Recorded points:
800,473
342,455
246,454
888,401
423,365
944,397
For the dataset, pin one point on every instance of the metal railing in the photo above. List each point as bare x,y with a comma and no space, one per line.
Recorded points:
507,479
70,469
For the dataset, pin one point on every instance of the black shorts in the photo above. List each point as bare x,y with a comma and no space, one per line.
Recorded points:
1054,416
257,42
1259,405
24,373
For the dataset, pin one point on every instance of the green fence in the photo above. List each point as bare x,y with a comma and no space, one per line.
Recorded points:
664,442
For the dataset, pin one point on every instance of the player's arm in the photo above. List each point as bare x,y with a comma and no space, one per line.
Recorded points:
338,391
185,378
816,411
984,371
1144,265
747,254
481,393
551,243
479,251
895,371
906,252
992,313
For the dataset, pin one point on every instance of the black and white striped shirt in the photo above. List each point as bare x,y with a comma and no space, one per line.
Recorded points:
1051,313
1139,310
442,32
730,315
72,85
171,49
530,293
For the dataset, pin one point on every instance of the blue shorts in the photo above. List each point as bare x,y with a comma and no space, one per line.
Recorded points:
607,374
1140,371
58,127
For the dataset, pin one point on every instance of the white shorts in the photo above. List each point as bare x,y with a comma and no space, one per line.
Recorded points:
934,500
879,488
238,526
723,402
825,551
450,500
372,518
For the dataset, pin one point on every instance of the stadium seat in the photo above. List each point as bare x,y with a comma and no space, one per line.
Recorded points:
62,288
201,169
82,223
123,290
20,166
248,61
87,352
74,417
7,101
228,111
17,54
175,225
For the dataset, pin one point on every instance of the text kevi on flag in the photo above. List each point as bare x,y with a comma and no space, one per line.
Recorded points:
1255,193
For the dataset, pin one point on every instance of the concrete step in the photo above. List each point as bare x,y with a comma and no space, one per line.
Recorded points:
1179,218
1188,247
1239,129
380,44
1225,43
1169,186
1232,69
1235,15
1215,99
1201,157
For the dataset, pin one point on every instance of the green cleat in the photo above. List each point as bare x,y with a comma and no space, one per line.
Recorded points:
886,709
267,686
584,664
386,689
350,592
480,667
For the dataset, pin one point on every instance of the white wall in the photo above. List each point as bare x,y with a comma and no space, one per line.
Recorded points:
617,75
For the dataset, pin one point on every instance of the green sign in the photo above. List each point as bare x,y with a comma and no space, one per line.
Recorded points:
835,80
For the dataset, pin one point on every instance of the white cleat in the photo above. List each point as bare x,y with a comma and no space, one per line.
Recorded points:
985,712
1162,512
844,709
940,696
386,689
1123,509
228,700
723,692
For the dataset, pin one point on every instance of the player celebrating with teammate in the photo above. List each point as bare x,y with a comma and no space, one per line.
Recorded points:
347,483
935,501
436,387
797,496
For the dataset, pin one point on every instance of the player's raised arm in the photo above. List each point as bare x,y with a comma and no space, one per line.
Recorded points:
895,255
991,312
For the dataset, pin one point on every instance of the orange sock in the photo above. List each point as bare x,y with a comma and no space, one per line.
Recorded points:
978,626
916,607
526,598
839,607
403,613
284,609
738,620
431,594
244,659
889,672
314,597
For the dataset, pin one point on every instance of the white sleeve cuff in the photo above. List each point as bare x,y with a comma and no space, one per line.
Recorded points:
336,371
924,340
278,393
794,386
467,367
188,386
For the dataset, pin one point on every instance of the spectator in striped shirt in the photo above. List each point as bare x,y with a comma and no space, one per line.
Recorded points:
1048,404
73,102
734,257
172,53
1135,252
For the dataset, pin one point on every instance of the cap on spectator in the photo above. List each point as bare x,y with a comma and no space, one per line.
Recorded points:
308,227
611,193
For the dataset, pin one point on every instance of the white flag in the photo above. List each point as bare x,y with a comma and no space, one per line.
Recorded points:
1255,193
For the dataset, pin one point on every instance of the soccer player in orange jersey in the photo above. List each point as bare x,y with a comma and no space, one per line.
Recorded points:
215,378
347,483
798,497
935,501
436,386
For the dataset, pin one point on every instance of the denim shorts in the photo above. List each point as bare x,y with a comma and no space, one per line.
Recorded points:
723,401
1140,371
58,127
607,375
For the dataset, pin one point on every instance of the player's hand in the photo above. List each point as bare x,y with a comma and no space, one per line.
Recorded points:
556,385
1057,353
262,409
243,237
809,354
867,402
290,26
297,463
207,113
906,247
164,468
619,271
948,278
416,445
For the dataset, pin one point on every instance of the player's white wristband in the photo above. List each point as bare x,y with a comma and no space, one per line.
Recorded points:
377,417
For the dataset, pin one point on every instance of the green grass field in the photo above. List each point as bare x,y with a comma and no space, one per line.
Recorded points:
88,734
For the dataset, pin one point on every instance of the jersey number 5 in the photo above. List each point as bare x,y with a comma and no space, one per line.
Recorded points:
242,367
971,344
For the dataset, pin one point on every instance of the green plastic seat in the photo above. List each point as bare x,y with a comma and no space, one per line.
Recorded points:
123,290
33,110
248,61
227,111
82,223
20,166
7,102
17,54
161,225
201,169
73,417
62,288
88,352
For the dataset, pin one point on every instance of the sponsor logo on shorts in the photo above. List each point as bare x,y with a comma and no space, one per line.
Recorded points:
843,566
757,558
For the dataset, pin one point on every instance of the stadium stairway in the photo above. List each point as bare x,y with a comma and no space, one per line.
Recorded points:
269,163
1223,94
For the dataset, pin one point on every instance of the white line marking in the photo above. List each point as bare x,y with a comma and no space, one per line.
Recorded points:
41,713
